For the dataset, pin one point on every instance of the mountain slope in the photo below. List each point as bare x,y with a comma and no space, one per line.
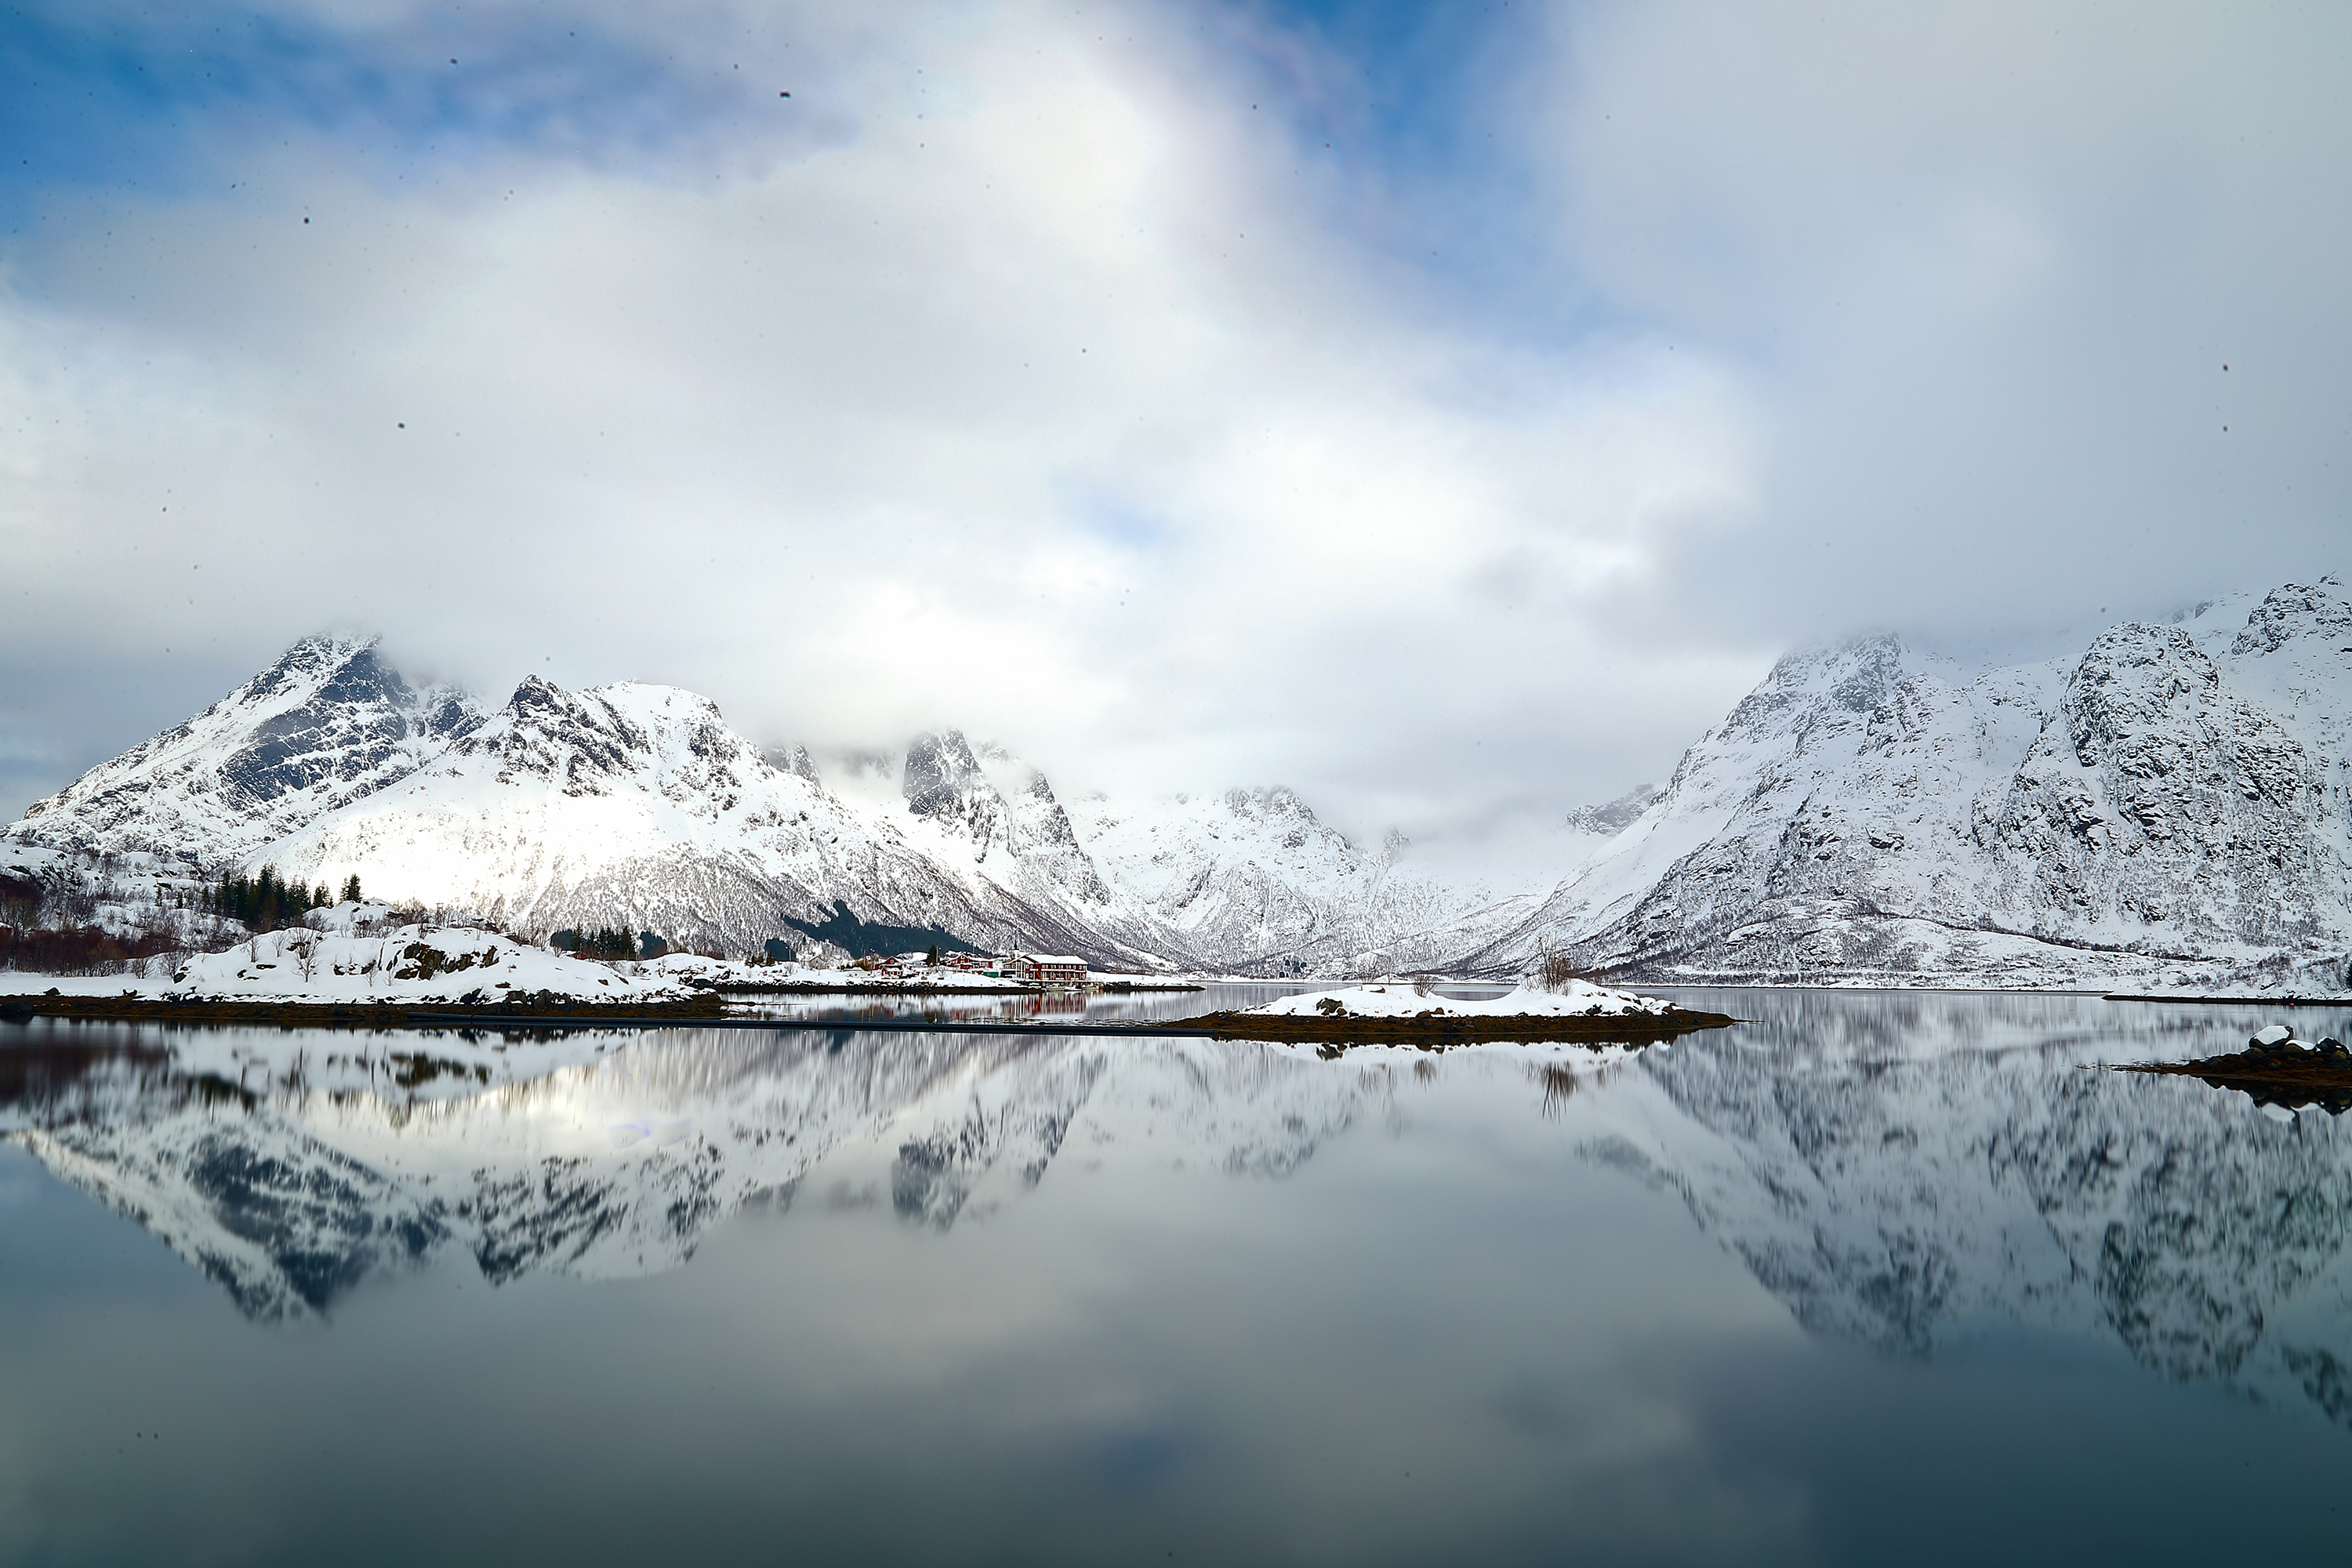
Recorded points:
1249,882
330,723
995,821
637,805
2169,805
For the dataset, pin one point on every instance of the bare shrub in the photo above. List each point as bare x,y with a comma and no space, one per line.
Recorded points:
1423,984
1558,1085
1554,969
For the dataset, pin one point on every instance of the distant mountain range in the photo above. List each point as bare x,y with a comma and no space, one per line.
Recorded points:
636,806
2172,806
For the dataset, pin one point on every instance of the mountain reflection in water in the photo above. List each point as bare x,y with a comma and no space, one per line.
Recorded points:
1873,1277
288,1193
1898,1169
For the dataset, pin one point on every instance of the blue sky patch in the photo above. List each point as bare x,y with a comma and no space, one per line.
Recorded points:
98,98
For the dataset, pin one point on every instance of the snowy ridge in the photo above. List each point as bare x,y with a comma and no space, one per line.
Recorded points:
636,805
995,823
328,724
1249,880
2171,808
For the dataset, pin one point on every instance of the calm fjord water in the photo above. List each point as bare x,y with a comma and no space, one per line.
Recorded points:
1875,1278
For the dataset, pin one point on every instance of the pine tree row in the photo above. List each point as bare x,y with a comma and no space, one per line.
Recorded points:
265,900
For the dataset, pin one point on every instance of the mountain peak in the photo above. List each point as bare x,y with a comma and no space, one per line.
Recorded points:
328,722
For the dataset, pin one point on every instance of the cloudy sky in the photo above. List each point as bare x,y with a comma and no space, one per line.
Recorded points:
1448,410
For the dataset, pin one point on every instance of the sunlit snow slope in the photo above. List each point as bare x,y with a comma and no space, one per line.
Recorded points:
1249,880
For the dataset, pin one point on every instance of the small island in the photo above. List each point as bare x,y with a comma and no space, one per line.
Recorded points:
2275,1069
1410,1015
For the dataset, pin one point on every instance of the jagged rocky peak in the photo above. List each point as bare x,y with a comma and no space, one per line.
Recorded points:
791,760
2165,798
549,733
2296,611
1279,808
943,784
330,722
2157,804
1038,818
991,798
941,778
592,739
1849,679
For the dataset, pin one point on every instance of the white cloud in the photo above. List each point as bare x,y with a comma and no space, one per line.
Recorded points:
1983,265
1042,404
1034,382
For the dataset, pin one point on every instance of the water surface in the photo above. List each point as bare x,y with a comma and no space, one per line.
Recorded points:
1876,1277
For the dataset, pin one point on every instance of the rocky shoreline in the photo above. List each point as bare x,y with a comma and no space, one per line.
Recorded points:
1335,1035
2275,1069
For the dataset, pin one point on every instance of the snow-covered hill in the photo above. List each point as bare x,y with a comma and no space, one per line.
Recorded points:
2172,806
1250,881
378,961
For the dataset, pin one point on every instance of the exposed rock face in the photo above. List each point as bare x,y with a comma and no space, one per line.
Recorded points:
2170,805
328,724
2159,796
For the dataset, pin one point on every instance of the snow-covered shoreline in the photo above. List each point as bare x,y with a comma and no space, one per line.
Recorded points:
1573,999
407,964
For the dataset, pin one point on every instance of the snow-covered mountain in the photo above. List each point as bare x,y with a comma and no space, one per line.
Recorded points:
328,724
635,805
994,818
1611,817
638,806
1250,880
2172,806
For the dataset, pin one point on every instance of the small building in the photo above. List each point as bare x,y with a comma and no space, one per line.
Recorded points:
1045,968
